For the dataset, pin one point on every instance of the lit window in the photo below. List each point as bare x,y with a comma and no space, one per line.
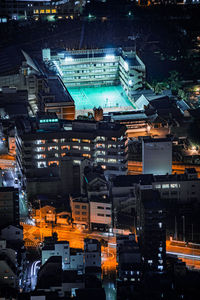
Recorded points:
112,160
48,11
40,149
100,159
52,148
53,11
40,156
174,185
132,279
103,167
77,162
157,186
165,186
86,148
150,261
65,147
40,142
160,225
41,164
36,11
76,147
76,140
85,141
42,11
87,155
53,163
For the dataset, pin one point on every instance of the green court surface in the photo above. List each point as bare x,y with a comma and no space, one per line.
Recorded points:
106,97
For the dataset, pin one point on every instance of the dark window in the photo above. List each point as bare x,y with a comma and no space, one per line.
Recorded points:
100,207
84,206
100,215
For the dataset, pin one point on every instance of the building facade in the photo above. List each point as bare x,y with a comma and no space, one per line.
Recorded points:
42,144
98,67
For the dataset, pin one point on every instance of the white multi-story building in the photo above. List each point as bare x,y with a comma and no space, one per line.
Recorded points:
98,67
57,249
43,143
100,214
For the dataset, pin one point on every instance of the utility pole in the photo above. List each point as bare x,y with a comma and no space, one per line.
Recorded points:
192,232
183,228
175,225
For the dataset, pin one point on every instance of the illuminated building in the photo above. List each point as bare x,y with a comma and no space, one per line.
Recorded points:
100,214
48,148
23,9
43,143
157,156
98,67
151,229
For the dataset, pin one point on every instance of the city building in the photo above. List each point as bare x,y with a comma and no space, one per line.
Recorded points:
9,206
151,229
80,207
8,266
56,99
92,251
100,213
46,9
12,232
98,67
157,156
52,248
13,103
42,144
129,259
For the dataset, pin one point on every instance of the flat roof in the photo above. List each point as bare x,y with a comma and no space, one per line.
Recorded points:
58,90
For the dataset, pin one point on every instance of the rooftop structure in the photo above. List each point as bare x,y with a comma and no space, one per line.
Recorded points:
157,156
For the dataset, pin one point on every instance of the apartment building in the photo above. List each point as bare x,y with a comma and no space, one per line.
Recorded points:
100,213
151,229
80,211
42,143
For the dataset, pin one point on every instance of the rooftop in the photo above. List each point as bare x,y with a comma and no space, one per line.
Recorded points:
58,90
